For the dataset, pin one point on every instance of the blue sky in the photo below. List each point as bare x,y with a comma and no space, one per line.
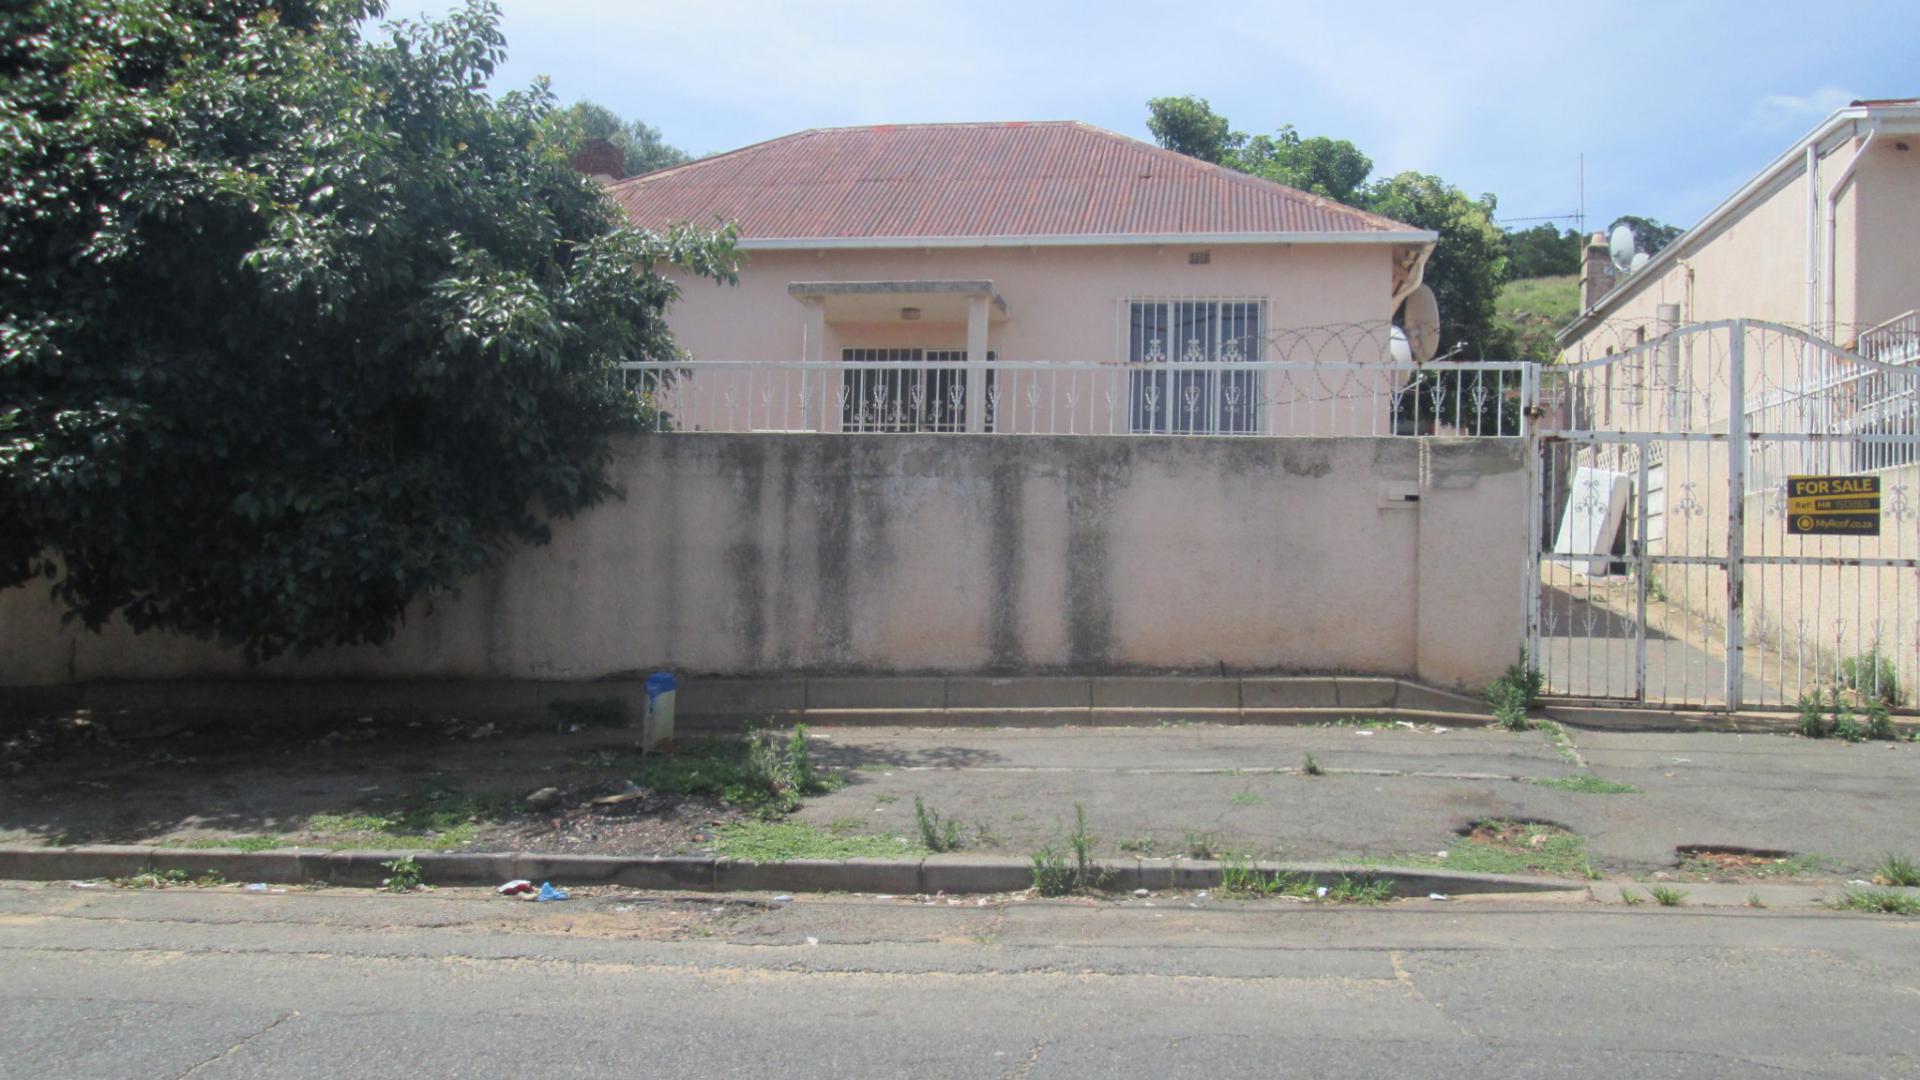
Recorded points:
1673,104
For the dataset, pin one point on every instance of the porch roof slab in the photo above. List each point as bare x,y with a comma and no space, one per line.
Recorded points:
869,301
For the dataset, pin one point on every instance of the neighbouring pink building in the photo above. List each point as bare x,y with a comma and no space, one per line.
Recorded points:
966,277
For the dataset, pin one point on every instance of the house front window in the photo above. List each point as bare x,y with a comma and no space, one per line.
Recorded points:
918,390
1166,333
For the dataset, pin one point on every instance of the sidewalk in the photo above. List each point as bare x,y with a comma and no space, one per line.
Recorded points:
1397,794
1387,793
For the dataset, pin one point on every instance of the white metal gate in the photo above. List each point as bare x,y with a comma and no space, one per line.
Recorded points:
1661,549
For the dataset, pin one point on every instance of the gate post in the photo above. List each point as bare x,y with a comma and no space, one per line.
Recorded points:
1737,449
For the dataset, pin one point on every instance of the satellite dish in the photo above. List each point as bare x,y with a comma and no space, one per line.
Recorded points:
1398,350
1639,260
1421,317
1621,247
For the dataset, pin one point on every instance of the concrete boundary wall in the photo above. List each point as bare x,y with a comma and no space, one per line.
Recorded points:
860,555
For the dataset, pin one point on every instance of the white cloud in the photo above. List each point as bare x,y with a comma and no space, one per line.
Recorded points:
1799,110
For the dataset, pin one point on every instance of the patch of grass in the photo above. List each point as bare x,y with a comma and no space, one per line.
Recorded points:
1737,865
936,834
1897,870
1244,798
1365,890
845,826
589,712
236,843
1871,675
1878,901
438,819
872,766
1140,845
759,840
1627,898
886,800
403,874
1588,785
1198,845
984,836
1668,896
1509,847
1362,722
1312,767
1754,901
755,773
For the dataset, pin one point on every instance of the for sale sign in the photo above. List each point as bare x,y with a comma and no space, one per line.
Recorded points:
1833,506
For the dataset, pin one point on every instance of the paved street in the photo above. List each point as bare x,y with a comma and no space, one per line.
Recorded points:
105,984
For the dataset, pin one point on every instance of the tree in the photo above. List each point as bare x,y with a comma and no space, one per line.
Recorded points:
297,326
1188,125
1542,251
1333,168
1468,262
1648,235
642,147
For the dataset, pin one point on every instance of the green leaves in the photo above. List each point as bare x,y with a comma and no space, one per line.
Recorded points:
296,326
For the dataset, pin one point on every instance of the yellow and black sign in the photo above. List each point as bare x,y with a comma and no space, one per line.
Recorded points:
1833,506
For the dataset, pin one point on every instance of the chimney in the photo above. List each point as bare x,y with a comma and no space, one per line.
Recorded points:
1596,271
601,160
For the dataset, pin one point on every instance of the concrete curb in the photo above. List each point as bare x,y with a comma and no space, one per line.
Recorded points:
938,873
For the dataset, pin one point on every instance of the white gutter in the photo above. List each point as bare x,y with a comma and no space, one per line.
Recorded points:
1813,232
1898,116
1833,225
805,243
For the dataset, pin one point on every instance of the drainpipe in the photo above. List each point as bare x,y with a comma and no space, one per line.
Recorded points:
1813,233
1833,223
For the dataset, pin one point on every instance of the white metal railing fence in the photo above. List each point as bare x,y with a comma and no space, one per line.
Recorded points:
1006,397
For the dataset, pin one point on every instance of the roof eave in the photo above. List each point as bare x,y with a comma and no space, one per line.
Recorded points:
1731,207
812,243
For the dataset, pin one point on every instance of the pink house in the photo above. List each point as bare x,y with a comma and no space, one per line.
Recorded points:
994,277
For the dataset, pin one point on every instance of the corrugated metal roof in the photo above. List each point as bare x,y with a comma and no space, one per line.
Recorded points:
1003,180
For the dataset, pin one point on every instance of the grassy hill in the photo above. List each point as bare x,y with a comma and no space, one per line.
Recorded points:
1528,311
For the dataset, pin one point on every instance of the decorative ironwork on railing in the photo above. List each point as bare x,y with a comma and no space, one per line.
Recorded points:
1005,397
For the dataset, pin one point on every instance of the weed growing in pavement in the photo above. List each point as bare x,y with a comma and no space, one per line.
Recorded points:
438,818
1754,901
1897,870
1514,692
1738,864
1878,901
1057,874
1141,846
403,874
984,836
1244,798
1668,896
936,834
1200,845
1834,715
1871,674
1813,719
1365,889
758,840
1588,785
1561,742
1312,767
1627,898
212,879
589,712
1239,876
152,879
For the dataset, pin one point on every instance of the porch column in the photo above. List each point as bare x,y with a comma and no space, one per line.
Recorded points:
813,349
976,363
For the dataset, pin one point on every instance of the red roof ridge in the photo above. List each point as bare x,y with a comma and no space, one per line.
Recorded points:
792,190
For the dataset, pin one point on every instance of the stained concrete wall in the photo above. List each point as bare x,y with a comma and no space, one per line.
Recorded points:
763,554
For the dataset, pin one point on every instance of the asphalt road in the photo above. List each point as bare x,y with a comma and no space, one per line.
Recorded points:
103,984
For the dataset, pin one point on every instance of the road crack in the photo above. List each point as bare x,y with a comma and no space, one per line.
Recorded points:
235,1048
